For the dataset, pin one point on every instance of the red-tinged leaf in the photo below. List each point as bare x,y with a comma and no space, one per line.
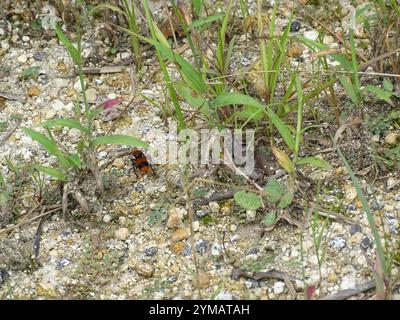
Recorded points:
111,103
310,292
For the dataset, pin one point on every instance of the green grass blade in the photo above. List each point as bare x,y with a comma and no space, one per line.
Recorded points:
299,90
107,6
44,141
69,123
120,140
75,54
313,161
356,80
48,144
197,7
232,98
203,21
53,172
346,83
344,62
370,217
167,78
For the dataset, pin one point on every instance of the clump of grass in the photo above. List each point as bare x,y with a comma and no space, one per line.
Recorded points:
70,165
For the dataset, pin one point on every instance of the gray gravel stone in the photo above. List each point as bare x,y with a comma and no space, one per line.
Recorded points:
338,243
187,251
39,56
202,246
63,263
377,204
366,243
216,249
355,228
295,26
151,251
200,213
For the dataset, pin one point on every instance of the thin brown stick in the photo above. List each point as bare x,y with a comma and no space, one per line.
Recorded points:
365,65
29,220
38,237
114,157
341,295
12,96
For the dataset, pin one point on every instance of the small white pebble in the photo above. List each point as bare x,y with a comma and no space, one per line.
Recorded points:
279,286
111,95
122,234
107,218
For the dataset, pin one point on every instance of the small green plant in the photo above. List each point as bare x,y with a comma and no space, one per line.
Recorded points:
318,240
128,11
158,213
273,53
30,73
69,164
383,94
277,195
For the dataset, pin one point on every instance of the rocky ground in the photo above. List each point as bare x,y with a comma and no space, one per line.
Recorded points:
136,243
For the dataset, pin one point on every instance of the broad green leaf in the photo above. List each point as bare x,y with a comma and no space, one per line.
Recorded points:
76,160
314,161
120,139
68,45
48,144
194,78
354,65
348,85
53,172
286,200
228,98
380,93
283,129
274,190
250,113
388,85
269,218
195,99
247,200
344,62
69,123
202,21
